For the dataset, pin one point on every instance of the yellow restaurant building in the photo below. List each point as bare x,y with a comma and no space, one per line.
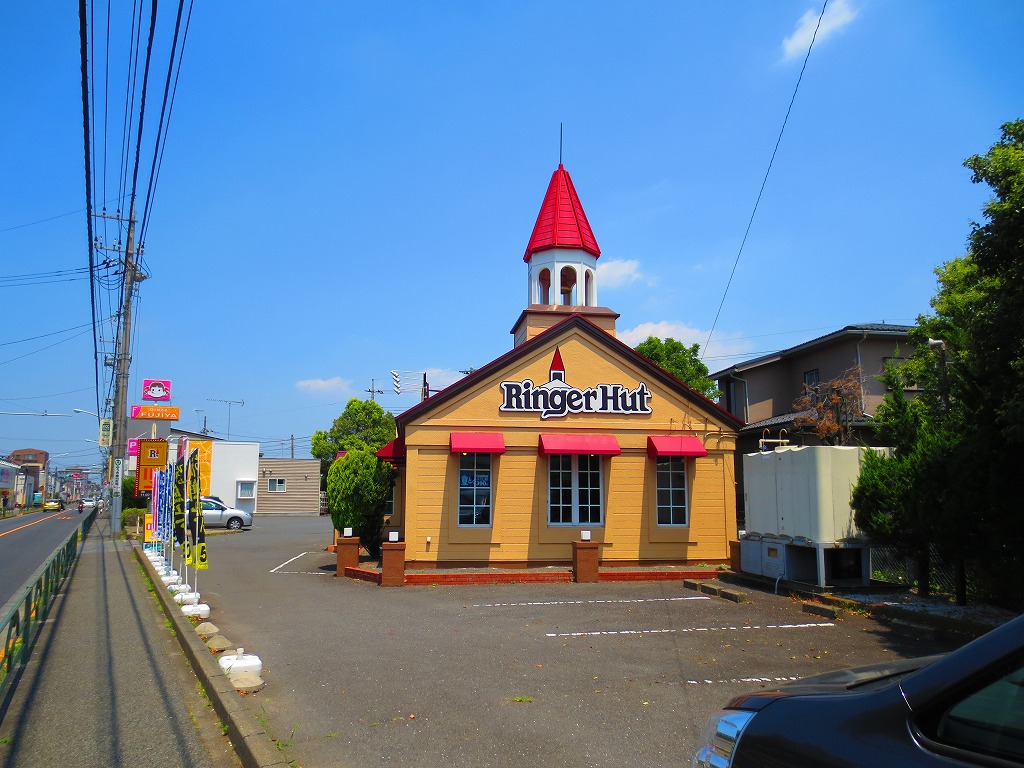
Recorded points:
572,435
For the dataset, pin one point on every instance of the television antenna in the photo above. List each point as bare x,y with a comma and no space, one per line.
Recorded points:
230,403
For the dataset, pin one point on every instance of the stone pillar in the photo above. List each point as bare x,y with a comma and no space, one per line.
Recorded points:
392,564
348,553
584,562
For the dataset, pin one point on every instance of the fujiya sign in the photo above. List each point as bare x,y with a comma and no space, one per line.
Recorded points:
555,398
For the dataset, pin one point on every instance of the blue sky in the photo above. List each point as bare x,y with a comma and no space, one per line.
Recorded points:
348,188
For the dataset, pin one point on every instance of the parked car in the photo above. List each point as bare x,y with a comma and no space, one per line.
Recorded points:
216,513
963,708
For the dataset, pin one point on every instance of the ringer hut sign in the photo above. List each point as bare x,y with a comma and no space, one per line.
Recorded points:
556,398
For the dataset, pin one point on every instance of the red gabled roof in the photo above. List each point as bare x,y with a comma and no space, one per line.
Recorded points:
561,222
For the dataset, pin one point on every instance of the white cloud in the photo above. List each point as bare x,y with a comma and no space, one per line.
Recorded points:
720,354
838,14
334,386
614,273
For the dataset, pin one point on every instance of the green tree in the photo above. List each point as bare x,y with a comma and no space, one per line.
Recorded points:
987,383
961,460
362,425
358,488
681,361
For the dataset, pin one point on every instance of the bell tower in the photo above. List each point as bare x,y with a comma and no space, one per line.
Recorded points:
562,259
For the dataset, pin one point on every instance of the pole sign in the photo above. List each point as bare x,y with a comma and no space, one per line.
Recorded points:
118,476
156,412
156,389
106,433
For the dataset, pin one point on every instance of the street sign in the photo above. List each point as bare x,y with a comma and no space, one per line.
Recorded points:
106,432
118,476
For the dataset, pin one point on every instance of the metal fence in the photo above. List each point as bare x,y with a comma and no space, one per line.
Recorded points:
22,622
889,565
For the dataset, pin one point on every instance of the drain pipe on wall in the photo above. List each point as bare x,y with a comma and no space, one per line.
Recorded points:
863,407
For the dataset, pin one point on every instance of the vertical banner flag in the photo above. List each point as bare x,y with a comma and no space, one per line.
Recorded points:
166,503
186,543
178,500
197,524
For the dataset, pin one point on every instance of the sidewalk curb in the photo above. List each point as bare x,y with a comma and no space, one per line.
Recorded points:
897,616
252,744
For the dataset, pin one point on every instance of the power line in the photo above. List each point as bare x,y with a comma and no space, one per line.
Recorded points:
45,335
764,181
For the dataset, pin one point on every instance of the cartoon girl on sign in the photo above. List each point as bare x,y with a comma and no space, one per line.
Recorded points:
156,390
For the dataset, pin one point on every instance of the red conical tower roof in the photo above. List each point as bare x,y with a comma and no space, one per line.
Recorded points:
561,222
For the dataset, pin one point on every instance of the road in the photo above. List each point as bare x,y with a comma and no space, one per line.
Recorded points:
540,675
26,541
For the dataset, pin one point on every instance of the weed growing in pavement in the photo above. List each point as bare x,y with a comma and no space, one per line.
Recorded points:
523,699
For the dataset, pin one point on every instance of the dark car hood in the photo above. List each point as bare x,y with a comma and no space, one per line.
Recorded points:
856,679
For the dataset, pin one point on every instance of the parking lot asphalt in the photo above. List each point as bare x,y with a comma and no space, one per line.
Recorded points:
543,675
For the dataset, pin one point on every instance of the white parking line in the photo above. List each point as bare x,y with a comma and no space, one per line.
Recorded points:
591,602
745,680
282,565
688,629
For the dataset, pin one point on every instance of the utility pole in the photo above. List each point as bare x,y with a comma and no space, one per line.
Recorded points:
293,446
230,403
121,362
373,391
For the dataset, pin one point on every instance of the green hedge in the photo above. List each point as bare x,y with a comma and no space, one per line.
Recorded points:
132,517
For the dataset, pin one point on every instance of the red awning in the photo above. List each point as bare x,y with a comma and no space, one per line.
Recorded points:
591,445
477,442
675,445
393,452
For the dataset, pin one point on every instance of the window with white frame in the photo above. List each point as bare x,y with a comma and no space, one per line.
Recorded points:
246,489
475,489
277,485
574,490
671,492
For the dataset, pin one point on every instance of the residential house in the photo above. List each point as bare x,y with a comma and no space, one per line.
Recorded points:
289,486
762,391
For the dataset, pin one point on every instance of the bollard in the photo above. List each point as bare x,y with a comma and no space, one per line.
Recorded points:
584,562
347,553
392,565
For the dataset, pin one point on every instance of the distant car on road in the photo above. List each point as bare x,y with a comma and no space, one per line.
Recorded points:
89,504
216,513
52,504
962,709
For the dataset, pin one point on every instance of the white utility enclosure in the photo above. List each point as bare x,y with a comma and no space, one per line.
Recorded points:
799,521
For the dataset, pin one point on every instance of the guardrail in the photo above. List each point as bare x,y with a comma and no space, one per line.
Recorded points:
20,626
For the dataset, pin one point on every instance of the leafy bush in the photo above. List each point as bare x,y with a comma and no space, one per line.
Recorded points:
133,516
358,485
